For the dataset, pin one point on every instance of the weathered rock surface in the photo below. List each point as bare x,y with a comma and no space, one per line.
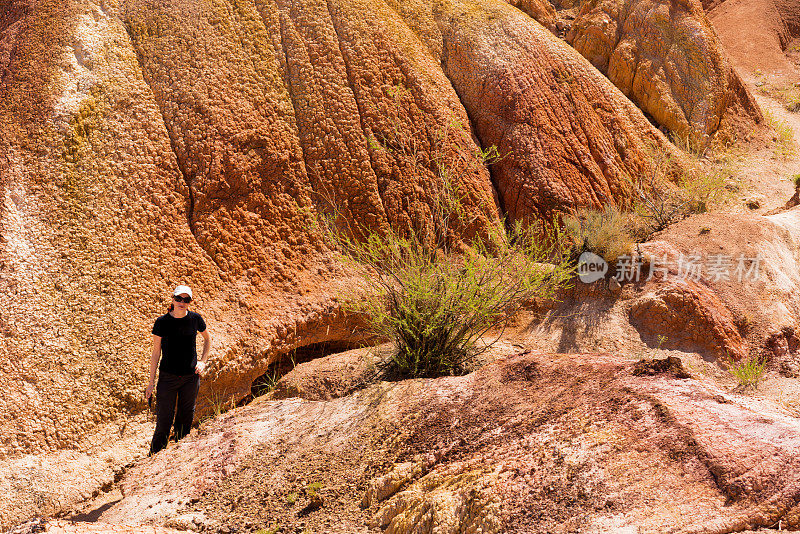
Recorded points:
567,136
749,278
149,143
662,54
535,442
690,317
333,376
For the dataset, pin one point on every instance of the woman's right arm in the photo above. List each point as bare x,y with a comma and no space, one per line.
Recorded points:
154,357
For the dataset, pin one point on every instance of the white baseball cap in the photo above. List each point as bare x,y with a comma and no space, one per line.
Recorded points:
182,289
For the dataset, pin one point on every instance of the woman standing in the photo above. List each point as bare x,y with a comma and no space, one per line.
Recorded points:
174,335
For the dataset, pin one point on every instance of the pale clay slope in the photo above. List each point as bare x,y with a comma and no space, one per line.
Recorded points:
723,461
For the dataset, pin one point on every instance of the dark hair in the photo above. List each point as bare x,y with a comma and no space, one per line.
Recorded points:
171,307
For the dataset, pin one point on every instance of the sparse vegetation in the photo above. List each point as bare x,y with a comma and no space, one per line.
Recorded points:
707,187
744,322
605,233
314,498
265,383
436,305
792,102
788,95
220,402
433,294
669,192
748,371
784,143
666,193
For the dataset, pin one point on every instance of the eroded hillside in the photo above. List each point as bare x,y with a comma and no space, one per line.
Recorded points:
150,143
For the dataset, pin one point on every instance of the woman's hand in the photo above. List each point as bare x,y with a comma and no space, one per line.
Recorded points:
200,367
148,392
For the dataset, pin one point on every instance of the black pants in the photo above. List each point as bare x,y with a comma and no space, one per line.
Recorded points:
171,390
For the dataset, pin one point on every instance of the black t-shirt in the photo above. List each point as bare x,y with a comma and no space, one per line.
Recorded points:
178,348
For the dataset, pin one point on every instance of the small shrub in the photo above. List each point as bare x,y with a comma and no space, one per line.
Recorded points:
605,233
792,103
749,371
659,202
705,188
436,294
314,498
789,96
668,192
265,384
291,498
744,322
436,306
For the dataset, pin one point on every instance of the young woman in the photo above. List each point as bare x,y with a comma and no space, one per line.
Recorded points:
174,335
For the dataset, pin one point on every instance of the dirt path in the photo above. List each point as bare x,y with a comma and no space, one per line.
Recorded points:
766,171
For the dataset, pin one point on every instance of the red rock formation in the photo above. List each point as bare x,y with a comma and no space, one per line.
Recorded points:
663,55
741,311
149,143
567,136
689,317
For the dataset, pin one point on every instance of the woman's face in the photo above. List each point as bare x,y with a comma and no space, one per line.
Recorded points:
180,304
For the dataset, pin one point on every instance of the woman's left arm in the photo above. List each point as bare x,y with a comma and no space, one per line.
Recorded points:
206,348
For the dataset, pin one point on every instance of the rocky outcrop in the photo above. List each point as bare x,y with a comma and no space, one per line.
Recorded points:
157,143
747,267
566,136
663,55
149,143
525,443
690,317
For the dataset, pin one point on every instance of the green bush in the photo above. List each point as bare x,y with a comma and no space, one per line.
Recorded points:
748,371
435,293
437,305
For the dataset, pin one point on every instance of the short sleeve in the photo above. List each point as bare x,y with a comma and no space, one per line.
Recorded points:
158,328
201,324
